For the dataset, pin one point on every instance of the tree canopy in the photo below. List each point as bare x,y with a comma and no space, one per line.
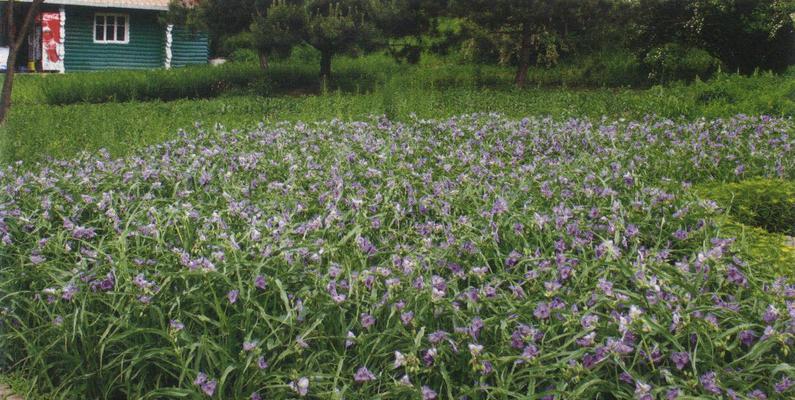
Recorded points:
741,35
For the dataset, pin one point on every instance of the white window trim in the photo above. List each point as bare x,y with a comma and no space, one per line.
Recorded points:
105,41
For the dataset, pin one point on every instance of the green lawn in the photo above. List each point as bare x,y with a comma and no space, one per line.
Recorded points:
372,86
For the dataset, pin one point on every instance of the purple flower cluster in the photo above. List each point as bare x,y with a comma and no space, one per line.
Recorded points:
466,254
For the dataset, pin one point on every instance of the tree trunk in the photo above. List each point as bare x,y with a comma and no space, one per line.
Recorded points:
263,60
524,58
325,65
8,83
14,44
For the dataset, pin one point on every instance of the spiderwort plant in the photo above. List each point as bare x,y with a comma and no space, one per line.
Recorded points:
471,257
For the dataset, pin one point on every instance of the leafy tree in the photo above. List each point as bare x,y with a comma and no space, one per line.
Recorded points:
743,34
345,27
280,28
275,27
505,17
534,30
406,24
338,27
222,19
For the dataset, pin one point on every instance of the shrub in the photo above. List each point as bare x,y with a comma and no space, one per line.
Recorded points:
240,41
765,203
244,56
674,62
194,82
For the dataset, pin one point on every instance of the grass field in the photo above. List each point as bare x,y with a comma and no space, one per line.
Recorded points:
363,87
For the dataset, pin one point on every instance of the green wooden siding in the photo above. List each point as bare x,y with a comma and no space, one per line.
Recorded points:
188,48
146,48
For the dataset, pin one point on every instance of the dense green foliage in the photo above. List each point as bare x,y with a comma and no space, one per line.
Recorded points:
744,35
668,40
768,204
672,62
197,82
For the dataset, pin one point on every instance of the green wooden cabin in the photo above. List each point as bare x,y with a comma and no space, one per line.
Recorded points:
87,35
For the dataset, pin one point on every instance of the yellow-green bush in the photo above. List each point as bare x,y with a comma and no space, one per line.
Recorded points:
764,203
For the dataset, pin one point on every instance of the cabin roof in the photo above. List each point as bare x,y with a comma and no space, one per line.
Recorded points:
160,5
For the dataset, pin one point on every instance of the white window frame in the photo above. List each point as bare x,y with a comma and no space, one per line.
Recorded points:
104,26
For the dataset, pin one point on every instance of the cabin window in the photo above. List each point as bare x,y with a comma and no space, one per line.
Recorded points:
111,28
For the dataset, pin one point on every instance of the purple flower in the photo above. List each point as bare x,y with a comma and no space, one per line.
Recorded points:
757,394
747,337
141,282
260,283
500,206
486,367
37,259
680,359
475,327
709,383
587,340
606,287
672,394
736,277
366,246
366,320
69,291
620,347
176,325
522,334
681,234
437,337
589,321
429,356
255,396
262,363
400,359
784,384
80,232
363,375
301,386
249,345
406,317
626,378
106,284
475,349
513,258
530,352
643,391
771,314
232,296
541,311
200,379
209,387
428,393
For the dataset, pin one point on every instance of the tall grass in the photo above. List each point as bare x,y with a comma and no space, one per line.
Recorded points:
373,85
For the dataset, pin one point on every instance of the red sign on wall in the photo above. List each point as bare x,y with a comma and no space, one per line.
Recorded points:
52,42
